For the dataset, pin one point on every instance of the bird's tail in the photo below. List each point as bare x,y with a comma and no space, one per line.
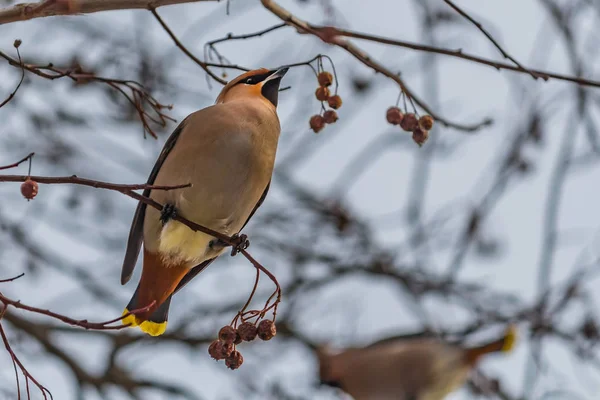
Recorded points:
504,344
157,284
154,324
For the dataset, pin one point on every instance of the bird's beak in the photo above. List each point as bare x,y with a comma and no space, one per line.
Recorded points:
277,74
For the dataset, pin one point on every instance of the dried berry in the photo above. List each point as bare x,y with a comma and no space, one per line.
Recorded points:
17,43
227,334
247,331
335,102
266,329
420,136
238,339
226,349
426,122
317,123
234,360
29,189
409,122
330,117
394,115
322,93
216,350
325,78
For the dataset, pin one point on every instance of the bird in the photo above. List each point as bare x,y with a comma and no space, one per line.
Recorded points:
405,368
227,153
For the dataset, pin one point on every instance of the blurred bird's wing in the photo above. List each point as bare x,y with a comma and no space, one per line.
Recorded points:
134,243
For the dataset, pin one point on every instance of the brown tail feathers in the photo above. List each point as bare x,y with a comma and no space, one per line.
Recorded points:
156,285
504,344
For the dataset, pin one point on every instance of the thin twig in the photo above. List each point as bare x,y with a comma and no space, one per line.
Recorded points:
138,98
16,362
82,323
14,278
74,179
491,39
14,92
47,8
545,75
14,165
188,53
330,37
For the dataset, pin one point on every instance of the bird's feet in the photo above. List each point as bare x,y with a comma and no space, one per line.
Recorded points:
167,213
238,243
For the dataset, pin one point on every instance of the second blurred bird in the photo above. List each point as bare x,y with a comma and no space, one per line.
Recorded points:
405,368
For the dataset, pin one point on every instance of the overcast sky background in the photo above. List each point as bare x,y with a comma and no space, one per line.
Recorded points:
467,93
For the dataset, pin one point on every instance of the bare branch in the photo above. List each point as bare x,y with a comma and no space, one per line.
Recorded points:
188,53
459,54
491,38
329,36
14,165
10,96
47,8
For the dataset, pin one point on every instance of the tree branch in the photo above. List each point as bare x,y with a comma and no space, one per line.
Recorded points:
491,38
545,75
47,8
330,37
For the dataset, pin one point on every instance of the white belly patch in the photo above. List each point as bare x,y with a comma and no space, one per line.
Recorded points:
178,244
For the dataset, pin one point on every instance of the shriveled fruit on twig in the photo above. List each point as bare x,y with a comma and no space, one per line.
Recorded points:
325,78
317,123
426,122
226,349
266,329
322,93
238,339
335,102
394,115
235,360
409,122
216,350
29,189
247,331
420,136
227,334
330,116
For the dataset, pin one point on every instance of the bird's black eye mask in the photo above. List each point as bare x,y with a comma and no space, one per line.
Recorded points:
254,79
270,90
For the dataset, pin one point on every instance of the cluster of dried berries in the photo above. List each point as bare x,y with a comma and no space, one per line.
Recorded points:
323,94
225,347
409,122
29,189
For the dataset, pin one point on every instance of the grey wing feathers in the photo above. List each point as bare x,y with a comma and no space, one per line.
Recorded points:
134,243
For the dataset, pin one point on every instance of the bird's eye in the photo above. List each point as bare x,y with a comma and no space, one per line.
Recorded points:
249,81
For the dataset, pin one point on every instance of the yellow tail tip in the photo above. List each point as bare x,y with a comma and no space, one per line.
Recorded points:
510,338
129,319
151,328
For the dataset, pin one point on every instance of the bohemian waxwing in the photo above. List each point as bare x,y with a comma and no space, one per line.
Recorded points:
227,152
405,368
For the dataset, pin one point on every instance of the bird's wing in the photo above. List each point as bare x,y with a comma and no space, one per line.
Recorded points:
260,201
134,243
